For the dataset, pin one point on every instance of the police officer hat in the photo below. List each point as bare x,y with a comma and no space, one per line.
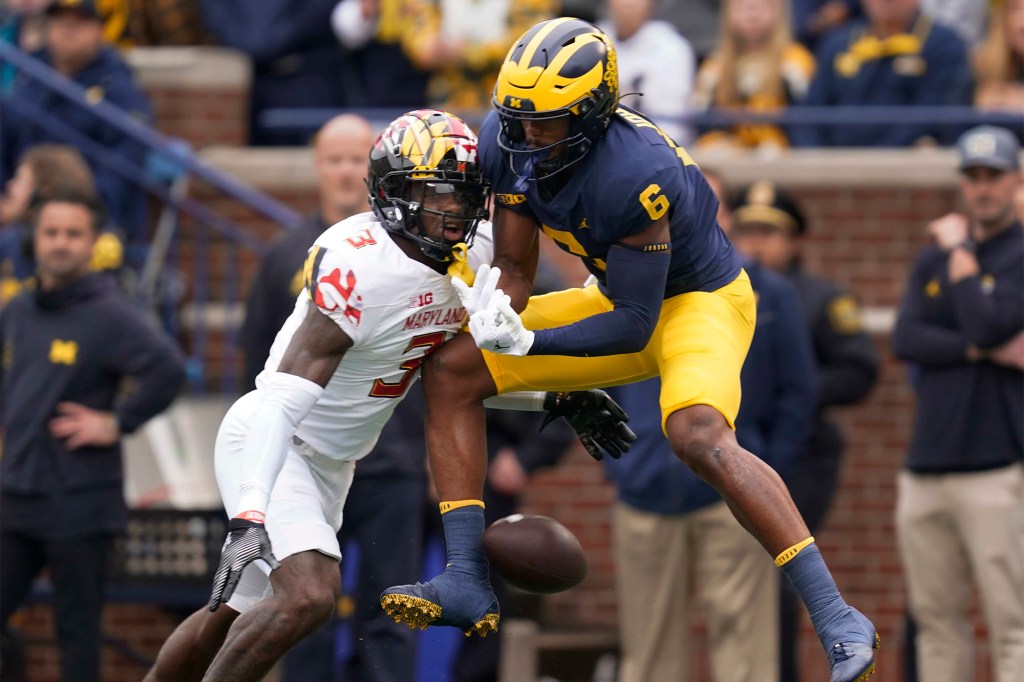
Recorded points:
85,8
764,203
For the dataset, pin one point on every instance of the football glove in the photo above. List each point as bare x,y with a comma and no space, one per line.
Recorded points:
499,329
485,283
247,541
595,417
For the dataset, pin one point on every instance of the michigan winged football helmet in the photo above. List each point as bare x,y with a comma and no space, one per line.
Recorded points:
560,67
421,152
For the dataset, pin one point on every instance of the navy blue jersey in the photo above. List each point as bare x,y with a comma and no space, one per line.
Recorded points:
633,176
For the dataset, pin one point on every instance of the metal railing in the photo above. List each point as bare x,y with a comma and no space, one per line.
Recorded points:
177,164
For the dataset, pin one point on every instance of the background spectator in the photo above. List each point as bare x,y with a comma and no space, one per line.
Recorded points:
42,172
813,19
21,24
67,347
167,22
672,531
769,228
697,20
372,31
655,61
756,67
966,17
899,56
465,43
999,61
75,49
958,513
297,63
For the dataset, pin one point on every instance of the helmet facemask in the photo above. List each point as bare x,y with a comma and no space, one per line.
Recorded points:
405,212
541,163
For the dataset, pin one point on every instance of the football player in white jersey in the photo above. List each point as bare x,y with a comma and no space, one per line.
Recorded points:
378,298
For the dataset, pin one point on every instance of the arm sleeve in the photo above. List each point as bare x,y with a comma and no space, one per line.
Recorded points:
915,338
154,365
989,319
793,421
287,399
636,286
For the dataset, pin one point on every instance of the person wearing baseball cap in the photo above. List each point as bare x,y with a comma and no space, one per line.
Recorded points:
961,323
83,8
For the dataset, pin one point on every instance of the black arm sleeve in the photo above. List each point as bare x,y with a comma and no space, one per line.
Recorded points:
636,286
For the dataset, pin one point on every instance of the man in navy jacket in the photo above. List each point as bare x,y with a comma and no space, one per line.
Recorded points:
67,348
958,514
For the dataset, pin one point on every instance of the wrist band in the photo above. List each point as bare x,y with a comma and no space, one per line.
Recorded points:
788,554
456,504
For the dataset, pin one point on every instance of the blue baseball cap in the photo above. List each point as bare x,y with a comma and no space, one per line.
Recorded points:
989,147
85,8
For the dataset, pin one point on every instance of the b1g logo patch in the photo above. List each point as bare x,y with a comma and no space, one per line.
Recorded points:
511,199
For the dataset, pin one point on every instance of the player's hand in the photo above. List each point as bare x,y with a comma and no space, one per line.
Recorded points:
595,417
477,297
247,541
499,329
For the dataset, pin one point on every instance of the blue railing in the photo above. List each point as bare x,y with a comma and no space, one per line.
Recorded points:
310,119
153,140
176,161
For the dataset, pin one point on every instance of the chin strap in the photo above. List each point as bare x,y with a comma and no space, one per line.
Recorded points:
460,264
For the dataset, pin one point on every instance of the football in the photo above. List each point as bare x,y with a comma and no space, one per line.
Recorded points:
535,553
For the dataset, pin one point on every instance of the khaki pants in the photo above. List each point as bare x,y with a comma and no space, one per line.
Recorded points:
657,559
954,530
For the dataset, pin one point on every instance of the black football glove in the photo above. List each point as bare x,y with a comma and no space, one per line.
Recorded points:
595,417
247,541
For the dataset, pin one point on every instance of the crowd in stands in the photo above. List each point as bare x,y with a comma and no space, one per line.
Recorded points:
757,56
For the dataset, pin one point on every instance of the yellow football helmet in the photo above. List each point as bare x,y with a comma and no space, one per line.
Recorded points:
559,68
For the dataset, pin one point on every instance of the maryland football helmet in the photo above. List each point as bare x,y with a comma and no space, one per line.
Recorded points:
421,153
559,68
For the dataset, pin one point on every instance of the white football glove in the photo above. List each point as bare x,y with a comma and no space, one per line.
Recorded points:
478,296
499,329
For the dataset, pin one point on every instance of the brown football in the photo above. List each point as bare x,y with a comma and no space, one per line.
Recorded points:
535,553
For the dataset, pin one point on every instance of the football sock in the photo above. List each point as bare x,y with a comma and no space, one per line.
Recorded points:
463,523
806,569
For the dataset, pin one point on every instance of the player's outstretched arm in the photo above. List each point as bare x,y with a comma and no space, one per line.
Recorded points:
288,396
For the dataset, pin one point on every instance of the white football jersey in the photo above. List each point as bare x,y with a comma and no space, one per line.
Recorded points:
395,309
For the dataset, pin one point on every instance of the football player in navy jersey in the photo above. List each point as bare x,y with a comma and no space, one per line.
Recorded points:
564,158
